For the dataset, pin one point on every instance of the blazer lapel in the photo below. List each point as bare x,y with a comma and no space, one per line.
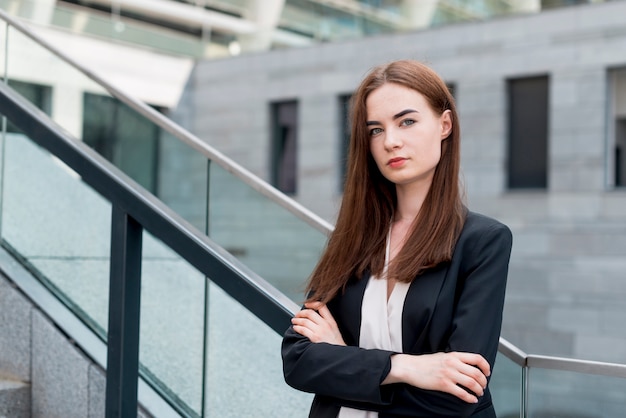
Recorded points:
419,307
348,308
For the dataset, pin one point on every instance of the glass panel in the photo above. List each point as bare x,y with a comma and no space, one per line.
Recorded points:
172,325
244,371
110,27
116,29
30,63
506,387
159,162
267,238
59,226
555,393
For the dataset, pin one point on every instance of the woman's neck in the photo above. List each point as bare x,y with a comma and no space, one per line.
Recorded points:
409,200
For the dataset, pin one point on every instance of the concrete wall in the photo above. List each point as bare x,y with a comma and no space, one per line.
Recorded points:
64,382
566,287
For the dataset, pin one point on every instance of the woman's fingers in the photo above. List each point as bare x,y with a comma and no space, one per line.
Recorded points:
310,314
470,383
325,313
462,394
459,374
317,310
317,323
313,305
306,327
475,360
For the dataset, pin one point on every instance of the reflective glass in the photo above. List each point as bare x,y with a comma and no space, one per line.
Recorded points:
152,157
172,325
244,367
59,226
273,242
506,387
97,24
556,393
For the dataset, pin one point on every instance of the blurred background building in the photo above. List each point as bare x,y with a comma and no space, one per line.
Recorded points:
540,87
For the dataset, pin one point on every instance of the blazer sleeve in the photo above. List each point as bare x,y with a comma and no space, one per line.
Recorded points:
344,372
478,318
476,323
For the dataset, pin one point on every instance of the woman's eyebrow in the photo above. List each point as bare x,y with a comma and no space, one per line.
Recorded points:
404,112
396,116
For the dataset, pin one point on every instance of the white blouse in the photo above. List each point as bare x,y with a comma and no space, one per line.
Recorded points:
381,322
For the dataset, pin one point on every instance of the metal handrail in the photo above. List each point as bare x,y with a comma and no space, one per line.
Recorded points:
512,352
183,135
535,361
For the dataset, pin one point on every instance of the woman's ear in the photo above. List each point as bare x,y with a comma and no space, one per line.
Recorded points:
446,124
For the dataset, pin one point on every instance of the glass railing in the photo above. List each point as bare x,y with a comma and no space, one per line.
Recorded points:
59,228
278,246
242,216
562,387
527,385
506,387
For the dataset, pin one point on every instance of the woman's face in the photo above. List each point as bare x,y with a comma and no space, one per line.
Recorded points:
405,134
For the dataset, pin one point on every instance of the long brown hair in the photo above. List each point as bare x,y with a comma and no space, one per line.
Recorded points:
358,242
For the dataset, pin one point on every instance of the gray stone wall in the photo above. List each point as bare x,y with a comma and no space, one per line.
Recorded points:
64,382
567,281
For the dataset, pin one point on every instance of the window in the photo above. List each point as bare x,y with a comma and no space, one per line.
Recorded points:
37,94
617,129
284,162
620,152
123,137
452,89
344,137
528,133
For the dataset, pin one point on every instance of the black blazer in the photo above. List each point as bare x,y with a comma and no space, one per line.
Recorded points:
456,306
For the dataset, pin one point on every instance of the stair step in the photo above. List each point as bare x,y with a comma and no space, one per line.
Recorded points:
14,398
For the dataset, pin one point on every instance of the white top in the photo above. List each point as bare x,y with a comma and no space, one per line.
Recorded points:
381,322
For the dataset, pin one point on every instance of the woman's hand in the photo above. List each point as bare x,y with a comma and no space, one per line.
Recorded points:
443,372
317,324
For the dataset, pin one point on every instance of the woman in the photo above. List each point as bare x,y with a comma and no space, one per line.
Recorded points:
405,305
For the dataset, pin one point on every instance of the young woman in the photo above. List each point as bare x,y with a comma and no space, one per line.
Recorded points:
405,305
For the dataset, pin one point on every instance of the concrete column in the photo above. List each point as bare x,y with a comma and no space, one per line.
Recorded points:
38,11
525,6
67,108
418,14
266,14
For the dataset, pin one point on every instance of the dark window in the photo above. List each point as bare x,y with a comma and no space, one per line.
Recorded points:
452,89
620,153
37,94
284,146
344,136
528,133
123,137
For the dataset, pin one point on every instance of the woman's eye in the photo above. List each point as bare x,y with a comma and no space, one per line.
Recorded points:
375,131
407,122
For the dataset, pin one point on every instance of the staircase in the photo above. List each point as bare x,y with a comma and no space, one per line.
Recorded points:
15,331
14,397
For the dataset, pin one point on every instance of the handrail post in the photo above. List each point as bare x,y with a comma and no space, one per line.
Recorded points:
124,306
524,392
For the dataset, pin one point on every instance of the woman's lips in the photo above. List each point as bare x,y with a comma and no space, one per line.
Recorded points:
396,162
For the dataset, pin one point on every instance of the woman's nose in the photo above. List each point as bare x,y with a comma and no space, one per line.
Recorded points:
392,140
